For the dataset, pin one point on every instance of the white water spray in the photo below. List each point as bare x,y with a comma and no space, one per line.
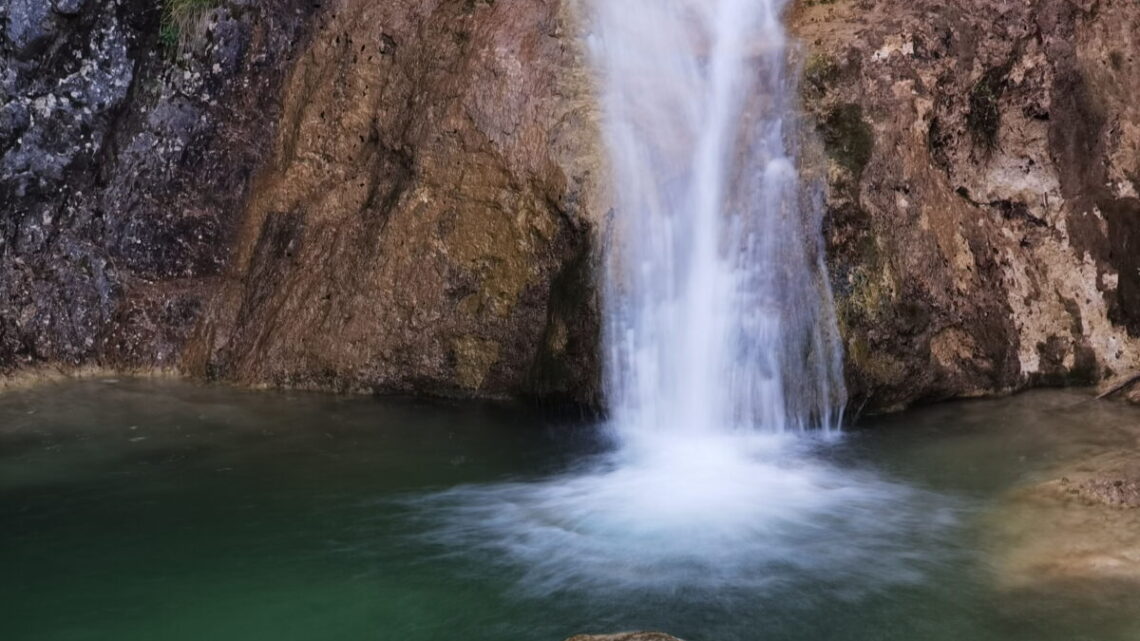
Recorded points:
718,314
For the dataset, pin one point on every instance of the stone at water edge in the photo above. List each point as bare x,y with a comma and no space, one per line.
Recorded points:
625,637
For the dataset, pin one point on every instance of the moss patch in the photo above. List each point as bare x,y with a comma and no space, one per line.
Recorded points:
820,70
474,358
847,137
984,118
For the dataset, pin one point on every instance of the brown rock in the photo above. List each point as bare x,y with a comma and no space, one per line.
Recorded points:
366,195
426,214
983,161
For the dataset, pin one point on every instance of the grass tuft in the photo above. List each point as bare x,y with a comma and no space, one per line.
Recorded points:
182,22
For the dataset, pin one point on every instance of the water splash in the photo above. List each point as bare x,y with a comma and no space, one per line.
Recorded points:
717,309
703,518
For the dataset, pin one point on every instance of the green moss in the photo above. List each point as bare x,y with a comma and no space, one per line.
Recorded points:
984,118
847,137
820,70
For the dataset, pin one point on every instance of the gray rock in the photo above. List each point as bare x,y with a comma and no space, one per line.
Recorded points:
29,24
69,7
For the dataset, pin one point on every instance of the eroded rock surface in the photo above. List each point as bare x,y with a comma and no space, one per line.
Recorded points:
122,166
984,166
358,194
425,222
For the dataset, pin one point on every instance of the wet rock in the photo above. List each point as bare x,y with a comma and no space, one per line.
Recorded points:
1113,490
429,199
121,168
1109,481
68,7
1079,532
625,637
404,195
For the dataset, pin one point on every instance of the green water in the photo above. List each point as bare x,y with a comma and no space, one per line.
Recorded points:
158,510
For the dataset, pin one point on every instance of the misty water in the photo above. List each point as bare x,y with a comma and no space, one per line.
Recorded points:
161,510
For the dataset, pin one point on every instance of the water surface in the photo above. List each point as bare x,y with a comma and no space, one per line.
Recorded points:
161,510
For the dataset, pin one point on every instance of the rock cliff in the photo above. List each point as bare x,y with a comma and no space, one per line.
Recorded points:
405,195
355,195
983,224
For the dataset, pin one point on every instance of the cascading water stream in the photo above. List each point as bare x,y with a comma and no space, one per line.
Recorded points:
721,345
718,316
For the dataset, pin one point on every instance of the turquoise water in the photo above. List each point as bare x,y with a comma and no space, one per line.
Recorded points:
161,510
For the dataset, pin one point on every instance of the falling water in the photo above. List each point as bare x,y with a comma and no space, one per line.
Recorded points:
721,345
718,314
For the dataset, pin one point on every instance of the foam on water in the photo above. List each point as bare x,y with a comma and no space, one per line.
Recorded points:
703,516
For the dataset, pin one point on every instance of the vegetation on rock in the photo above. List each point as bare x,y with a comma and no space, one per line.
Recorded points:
984,117
181,20
847,137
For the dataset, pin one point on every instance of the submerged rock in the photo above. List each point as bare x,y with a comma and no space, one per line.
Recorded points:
1111,480
1078,533
625,637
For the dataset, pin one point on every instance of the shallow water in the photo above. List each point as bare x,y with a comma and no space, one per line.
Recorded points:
159,510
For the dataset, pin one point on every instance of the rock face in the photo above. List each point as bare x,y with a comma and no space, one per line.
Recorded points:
404,195
424,222
123,167
983,224
363,194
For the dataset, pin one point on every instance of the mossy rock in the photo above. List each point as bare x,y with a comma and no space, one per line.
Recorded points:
820,70
984,117
847,137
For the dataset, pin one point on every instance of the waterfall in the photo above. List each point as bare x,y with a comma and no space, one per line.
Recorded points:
721,344
718,315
